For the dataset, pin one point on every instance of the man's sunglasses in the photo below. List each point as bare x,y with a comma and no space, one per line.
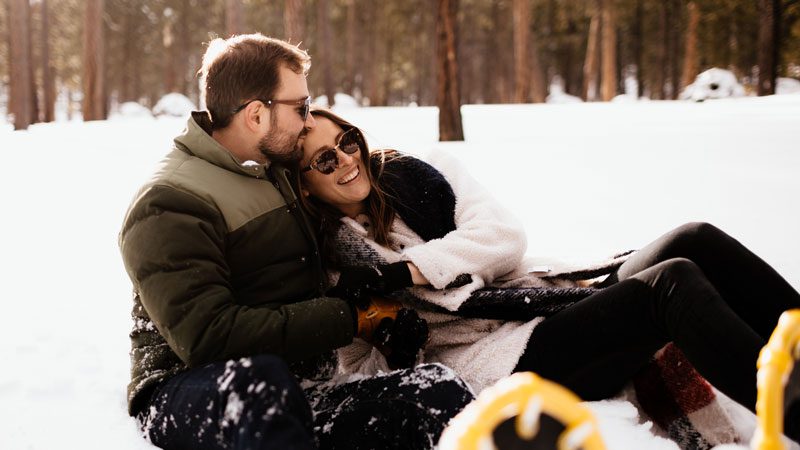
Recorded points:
303,103
327,161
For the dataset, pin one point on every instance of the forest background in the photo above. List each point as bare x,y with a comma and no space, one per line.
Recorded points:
90,56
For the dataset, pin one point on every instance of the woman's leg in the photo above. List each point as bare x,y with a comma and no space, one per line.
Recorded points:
597,345
753,289
404,409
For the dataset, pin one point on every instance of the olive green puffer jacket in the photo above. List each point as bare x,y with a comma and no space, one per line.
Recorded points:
223,265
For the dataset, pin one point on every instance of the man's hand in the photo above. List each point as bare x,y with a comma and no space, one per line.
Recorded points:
357,283
398,333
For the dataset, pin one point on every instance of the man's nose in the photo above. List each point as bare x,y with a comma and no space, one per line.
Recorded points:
310,121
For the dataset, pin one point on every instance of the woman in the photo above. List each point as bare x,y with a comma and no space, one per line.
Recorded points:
442,237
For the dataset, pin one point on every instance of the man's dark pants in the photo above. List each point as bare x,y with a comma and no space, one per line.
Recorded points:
256,403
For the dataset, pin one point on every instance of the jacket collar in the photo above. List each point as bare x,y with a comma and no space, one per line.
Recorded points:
197,141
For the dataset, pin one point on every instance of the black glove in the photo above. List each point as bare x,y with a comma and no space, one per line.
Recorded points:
357,283
401,339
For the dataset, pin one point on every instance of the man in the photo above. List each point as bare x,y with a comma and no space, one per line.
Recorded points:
226,275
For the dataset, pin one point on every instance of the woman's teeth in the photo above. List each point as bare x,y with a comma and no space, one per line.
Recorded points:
350,176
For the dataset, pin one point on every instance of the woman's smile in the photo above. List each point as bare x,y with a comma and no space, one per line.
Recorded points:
350,176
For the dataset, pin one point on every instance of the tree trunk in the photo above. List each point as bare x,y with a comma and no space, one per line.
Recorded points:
590,65
657,80
34,110
48,73
183,49
234,23
168,40
767,46
537,77
690,58
93,105
447,90
673,70
638,36
293,21
325,51
521,14
350,48
20,64
608,88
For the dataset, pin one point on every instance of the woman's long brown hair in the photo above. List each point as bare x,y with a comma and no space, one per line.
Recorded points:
326,218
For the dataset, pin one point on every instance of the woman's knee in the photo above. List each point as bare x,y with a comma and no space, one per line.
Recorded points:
697,232
679,269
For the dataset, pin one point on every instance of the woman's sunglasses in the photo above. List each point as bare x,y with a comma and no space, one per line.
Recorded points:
327,161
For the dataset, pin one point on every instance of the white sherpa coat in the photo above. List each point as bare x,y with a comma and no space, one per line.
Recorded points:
490,245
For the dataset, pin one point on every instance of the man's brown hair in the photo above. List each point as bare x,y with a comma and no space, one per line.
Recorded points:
243,68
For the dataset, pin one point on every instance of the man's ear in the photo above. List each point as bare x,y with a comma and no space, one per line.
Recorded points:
254,115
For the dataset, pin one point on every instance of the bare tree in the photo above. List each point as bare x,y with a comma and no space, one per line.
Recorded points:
293,21
325,53
20,102
94,103
608,87
48,73
769,21
350,47
233,17
521,13
448,97
690,57
591,66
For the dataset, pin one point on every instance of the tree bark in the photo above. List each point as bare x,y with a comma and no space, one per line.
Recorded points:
638,36
690,57
447,97
538,79
48,72
234,23
590,66
34,110
673,71
93,105
521,14
293,21
349,81
608,87
325,52
20,64
769,18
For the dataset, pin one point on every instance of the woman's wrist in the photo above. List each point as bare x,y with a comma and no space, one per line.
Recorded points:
416,276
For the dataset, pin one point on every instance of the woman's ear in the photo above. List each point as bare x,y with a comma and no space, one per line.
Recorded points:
305,192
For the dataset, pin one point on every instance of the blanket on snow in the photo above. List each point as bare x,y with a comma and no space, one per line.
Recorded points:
669,390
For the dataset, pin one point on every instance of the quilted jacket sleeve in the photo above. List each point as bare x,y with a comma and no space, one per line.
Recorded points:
175,256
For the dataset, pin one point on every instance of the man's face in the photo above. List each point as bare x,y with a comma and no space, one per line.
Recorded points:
286,125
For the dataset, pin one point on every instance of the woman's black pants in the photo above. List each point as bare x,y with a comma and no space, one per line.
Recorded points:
696,287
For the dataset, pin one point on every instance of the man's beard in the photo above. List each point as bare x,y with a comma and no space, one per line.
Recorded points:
280,146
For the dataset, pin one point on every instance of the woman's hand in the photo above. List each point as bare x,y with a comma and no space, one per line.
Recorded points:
416,276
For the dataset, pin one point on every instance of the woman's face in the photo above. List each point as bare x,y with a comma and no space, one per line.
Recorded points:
348,186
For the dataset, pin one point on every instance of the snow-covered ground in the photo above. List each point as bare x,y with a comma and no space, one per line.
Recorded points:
587,180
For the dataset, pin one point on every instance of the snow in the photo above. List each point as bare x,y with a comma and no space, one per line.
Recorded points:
174,104
558,96
341,101
131,110
587,180
711,84
786,86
